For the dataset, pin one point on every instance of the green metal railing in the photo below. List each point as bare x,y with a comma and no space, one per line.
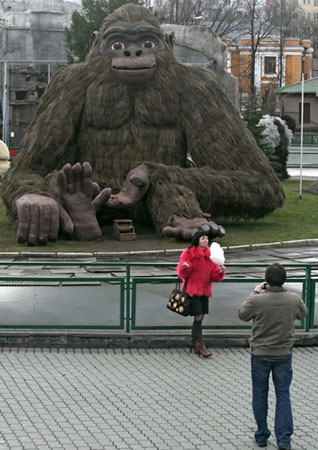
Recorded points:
128,301
308,139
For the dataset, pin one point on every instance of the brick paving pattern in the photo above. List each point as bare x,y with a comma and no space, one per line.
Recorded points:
142,399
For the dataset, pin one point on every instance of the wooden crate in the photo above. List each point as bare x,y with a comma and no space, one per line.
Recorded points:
124,230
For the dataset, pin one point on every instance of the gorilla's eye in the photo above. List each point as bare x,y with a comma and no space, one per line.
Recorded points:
148,44
117,45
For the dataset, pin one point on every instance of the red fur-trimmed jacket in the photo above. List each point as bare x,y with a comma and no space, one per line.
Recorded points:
201,272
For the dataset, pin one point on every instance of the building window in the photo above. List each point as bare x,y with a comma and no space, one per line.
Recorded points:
315,16
315,2
270,65
306,112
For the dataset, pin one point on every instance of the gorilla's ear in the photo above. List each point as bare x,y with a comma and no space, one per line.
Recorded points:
93,40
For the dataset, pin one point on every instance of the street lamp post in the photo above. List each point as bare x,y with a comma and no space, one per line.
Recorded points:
302,123
5,106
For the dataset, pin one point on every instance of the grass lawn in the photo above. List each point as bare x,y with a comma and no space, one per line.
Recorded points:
297,219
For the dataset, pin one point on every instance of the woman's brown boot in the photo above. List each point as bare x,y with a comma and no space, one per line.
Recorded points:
192,342
201,350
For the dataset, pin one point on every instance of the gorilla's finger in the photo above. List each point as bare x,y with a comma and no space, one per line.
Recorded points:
170,231
66,224
205,227
102,198
53,221
96,189
61,182
23,212
222,231
44,223
87,183
34,225
77,177
68,172
214,227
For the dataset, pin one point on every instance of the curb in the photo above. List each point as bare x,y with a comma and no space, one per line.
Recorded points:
147,341
168,252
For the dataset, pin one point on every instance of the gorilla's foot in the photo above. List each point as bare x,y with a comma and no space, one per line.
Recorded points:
134,188
183,228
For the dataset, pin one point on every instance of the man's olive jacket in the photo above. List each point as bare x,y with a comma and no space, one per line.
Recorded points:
274,313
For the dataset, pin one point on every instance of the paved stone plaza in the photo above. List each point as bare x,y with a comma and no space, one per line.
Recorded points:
165,399
142,399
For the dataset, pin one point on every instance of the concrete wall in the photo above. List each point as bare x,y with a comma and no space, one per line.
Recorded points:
199,45
30,30
34,29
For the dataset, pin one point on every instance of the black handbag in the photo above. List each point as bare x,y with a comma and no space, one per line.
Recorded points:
179,301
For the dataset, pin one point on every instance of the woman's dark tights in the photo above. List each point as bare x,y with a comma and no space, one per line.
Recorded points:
197,326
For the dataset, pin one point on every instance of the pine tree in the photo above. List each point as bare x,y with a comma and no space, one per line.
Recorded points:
84,24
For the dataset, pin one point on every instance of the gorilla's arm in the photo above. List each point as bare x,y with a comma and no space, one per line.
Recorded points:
233,177
31,177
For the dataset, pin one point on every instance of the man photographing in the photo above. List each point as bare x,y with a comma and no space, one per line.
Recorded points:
274,311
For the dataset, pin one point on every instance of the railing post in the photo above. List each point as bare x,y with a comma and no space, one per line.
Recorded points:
309,300
128,318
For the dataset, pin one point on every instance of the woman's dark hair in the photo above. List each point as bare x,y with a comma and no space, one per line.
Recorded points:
275,275
196,237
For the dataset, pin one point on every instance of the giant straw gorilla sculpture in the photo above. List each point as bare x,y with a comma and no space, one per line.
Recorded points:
125,121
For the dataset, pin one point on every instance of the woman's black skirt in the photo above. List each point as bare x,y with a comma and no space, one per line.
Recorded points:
199,305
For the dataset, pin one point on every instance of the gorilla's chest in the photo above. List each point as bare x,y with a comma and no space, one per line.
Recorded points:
133,128
116,107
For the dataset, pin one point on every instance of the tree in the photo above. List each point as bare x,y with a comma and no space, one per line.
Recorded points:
305,26
179,12
222,16
252,117
227,18
85,23
282,14
260,26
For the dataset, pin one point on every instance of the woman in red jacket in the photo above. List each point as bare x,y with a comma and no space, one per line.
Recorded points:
196,267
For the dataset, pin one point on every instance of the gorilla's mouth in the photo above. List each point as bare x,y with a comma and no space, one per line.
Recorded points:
128,74
129,69
134,69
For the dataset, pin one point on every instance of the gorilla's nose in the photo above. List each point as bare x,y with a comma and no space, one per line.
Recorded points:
133,53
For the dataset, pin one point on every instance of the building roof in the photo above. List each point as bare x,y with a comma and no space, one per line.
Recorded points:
310,87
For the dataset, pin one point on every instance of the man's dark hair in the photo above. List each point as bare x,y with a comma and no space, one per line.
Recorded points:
275,275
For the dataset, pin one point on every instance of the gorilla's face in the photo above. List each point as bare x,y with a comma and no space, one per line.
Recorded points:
132,49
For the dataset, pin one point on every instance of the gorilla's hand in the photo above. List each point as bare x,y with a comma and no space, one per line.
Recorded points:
81,198
134,188
39,218
183,228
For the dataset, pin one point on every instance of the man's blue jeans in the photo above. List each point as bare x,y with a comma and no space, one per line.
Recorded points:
281,368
